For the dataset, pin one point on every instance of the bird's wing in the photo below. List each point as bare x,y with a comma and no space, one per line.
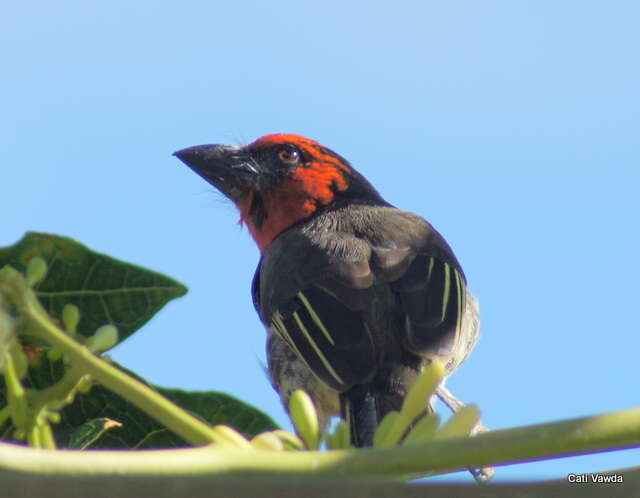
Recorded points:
315,293
427,279
313,299
433,297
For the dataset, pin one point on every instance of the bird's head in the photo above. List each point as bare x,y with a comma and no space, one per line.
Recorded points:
278,180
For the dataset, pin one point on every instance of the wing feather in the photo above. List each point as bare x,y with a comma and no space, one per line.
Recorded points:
316,289
332,340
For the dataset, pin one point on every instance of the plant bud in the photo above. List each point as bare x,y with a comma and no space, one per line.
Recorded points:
70,318
460,424
289,440
341,437
267,441
230,435
379,438
305,419
424,430
36,271
105,338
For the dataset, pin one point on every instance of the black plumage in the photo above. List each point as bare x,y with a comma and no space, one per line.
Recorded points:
351,292
357,296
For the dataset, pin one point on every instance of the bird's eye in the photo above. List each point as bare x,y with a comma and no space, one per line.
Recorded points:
289,156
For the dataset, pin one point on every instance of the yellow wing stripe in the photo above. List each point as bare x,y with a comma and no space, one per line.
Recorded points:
282,331
447,290
316,318
461,304
431,263
315,347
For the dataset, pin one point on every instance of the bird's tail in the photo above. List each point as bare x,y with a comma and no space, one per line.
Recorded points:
364,406
359,407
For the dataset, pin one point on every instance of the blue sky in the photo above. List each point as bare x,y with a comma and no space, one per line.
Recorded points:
512,126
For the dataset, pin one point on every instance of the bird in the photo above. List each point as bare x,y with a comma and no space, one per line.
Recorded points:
357,296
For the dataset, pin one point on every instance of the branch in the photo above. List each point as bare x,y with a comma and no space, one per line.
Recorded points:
607,432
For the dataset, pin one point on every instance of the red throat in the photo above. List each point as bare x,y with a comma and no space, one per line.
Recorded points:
298,195
294,199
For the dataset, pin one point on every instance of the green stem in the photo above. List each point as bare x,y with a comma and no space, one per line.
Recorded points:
5,413
61,392
146,399
33,436
585,435
46,435
16,394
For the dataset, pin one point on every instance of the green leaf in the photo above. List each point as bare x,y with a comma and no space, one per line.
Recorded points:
80,421
83,436
104,289
139,430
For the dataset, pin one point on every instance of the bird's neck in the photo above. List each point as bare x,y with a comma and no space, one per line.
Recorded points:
268,214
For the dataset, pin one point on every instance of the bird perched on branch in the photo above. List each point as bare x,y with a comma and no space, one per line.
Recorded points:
357,295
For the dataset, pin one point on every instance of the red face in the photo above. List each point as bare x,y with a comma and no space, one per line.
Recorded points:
275,181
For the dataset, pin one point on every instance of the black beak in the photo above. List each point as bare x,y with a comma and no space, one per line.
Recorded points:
228,168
